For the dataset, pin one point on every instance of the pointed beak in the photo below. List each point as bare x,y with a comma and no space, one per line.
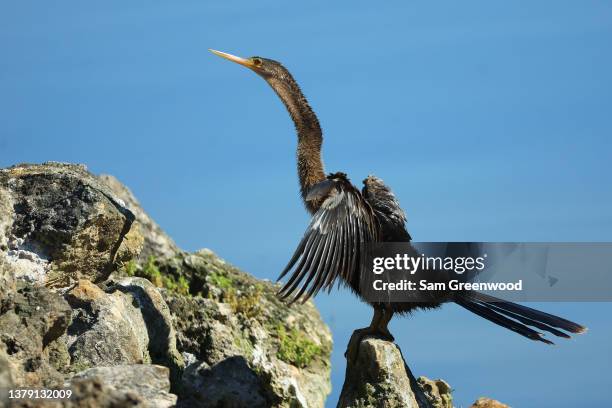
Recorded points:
242,61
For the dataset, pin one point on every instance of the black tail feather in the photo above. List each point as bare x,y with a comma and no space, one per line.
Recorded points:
529,322
533,314
501,320
517,317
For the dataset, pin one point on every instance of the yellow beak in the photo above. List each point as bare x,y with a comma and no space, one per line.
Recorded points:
242,61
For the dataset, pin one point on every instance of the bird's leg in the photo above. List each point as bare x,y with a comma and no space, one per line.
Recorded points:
377,328
384,322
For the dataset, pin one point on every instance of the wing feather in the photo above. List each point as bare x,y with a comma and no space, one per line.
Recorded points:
333,243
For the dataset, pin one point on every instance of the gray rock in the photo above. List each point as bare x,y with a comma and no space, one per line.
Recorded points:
88,393
229,383
36,319
379,377
62,223
6,378
238,332
148,383
156,242
94,393
156,315
128,324
7,271
7,284
106,330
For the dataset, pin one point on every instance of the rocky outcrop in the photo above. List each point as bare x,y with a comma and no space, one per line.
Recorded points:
61,224
233,330
379,377
81,307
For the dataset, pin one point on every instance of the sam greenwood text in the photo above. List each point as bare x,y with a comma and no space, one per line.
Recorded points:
423,284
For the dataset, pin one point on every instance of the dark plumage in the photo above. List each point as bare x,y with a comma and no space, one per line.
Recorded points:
344,219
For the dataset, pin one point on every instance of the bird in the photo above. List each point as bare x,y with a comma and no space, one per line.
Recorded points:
345,219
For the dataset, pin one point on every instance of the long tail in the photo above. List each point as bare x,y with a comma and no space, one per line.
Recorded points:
517,318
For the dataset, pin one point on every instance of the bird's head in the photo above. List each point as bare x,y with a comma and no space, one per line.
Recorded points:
264,67
281,81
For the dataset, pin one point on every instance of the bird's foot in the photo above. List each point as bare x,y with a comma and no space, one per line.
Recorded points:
352,350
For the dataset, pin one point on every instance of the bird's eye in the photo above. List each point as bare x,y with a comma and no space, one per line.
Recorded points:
257,62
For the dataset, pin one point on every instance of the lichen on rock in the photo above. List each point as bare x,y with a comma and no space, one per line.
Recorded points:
37,318
379,377
233,320
64,224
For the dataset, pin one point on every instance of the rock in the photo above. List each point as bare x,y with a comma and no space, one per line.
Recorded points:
379,377
36,319
7,272
229,383
60,223
235,331
131,324
88,393
6,220
156,314
488,403
148,383
7,284
6,379
76,308
106,329
156,242
94,393
438,392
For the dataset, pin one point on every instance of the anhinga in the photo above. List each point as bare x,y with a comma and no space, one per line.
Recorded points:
344,219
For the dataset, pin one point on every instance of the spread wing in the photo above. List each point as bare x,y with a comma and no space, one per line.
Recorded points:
333,243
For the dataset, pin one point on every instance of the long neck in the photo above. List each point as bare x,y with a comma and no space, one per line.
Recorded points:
310,137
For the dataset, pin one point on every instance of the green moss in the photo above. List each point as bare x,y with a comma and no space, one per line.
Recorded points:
247,304
130,268
151,271
169,283
78,366
244,345
296,348
182,286
220,280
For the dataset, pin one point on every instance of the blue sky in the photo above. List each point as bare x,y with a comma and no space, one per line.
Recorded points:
490,120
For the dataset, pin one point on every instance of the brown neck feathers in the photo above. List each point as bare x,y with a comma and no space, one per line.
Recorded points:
310,137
